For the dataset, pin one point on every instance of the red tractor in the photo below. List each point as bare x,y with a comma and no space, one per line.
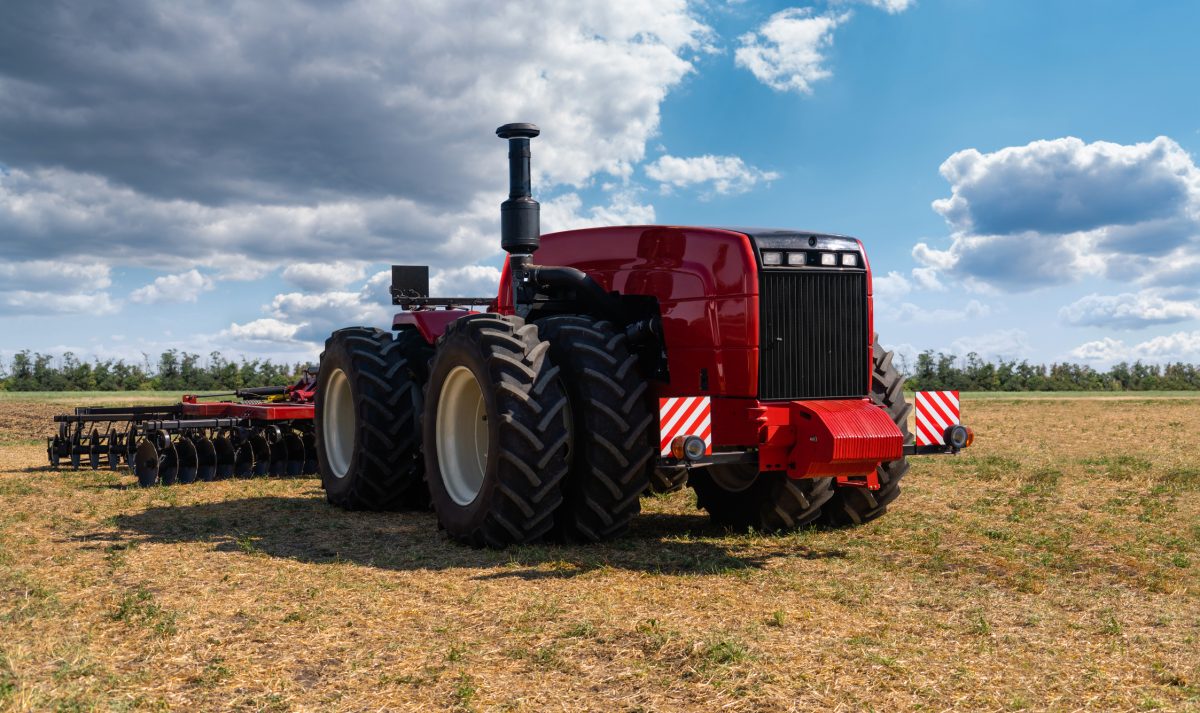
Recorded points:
615,358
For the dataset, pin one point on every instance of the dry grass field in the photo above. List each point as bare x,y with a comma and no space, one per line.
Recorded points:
1055,567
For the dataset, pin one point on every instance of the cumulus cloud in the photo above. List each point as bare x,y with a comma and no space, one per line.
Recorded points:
184,287
25,302
1180,346
241,138
323,276
892,7
266,329
890,286
567,212
723,174
467,281
344,98
1006,344
1053,211
787,53
54,287
1128,311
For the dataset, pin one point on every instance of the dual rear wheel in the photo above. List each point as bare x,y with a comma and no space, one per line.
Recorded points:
535,430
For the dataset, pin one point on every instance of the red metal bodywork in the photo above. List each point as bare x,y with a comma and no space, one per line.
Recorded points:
706,283
272,411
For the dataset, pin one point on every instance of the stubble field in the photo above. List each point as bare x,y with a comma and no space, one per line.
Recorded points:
1055,567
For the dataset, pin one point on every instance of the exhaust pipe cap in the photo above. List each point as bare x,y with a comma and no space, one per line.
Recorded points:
518,131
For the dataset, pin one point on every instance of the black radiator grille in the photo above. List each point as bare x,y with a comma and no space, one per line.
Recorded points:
814,334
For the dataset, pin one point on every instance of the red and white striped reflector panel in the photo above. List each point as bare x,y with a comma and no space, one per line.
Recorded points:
684,416
936,411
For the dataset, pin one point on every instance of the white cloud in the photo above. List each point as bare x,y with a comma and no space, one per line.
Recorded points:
25,302
1180,346
262,330
892,7
1128,310
358,125
787,53
927,279
1053,211
725,174
1006,344
184,287
467,281
890,286
55,287
913,314
45,275
566,212
323,276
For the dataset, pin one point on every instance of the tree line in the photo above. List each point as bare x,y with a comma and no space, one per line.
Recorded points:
173,371
945,372
183,371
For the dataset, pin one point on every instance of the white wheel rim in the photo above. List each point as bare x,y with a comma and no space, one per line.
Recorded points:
462,435
338,423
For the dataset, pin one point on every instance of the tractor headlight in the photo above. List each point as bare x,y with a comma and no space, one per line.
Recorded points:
829,259
772,257
849,260
798,259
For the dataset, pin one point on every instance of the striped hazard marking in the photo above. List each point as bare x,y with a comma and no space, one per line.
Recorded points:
936,411
684,416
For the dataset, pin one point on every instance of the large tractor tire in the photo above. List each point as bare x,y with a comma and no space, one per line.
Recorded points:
610,422
496,438
854,506
741,498
367,419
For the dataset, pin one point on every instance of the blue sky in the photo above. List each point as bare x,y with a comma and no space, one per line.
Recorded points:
212,178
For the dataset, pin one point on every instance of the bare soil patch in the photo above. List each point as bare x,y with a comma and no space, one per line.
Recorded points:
1055,567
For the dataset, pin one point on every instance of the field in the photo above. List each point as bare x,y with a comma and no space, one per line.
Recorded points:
1055,567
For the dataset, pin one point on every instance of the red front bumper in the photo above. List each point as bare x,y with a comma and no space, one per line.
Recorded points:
809,439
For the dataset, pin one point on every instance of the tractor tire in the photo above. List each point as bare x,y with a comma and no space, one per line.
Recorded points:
367,419
668,479
855,506
495,432
610,422
741,498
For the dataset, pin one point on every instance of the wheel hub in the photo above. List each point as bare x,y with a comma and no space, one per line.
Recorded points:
462,435
338,420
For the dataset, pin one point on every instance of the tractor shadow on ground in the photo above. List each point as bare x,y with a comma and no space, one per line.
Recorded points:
310,530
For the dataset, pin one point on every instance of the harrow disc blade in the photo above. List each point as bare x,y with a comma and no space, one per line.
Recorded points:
75,449
243,460
131,444
113,448
310,453
295,455
145,463
262,454
226,458
279,456
94,449
185,452
206,459
168,464
52,449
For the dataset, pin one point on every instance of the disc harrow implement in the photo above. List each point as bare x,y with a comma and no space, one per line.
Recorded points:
266,431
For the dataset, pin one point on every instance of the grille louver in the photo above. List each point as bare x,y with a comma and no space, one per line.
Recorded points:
814,334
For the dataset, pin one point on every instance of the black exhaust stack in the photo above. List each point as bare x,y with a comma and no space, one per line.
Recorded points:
520,235
519,225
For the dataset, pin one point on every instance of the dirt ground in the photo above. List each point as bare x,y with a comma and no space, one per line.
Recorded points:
1055,567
